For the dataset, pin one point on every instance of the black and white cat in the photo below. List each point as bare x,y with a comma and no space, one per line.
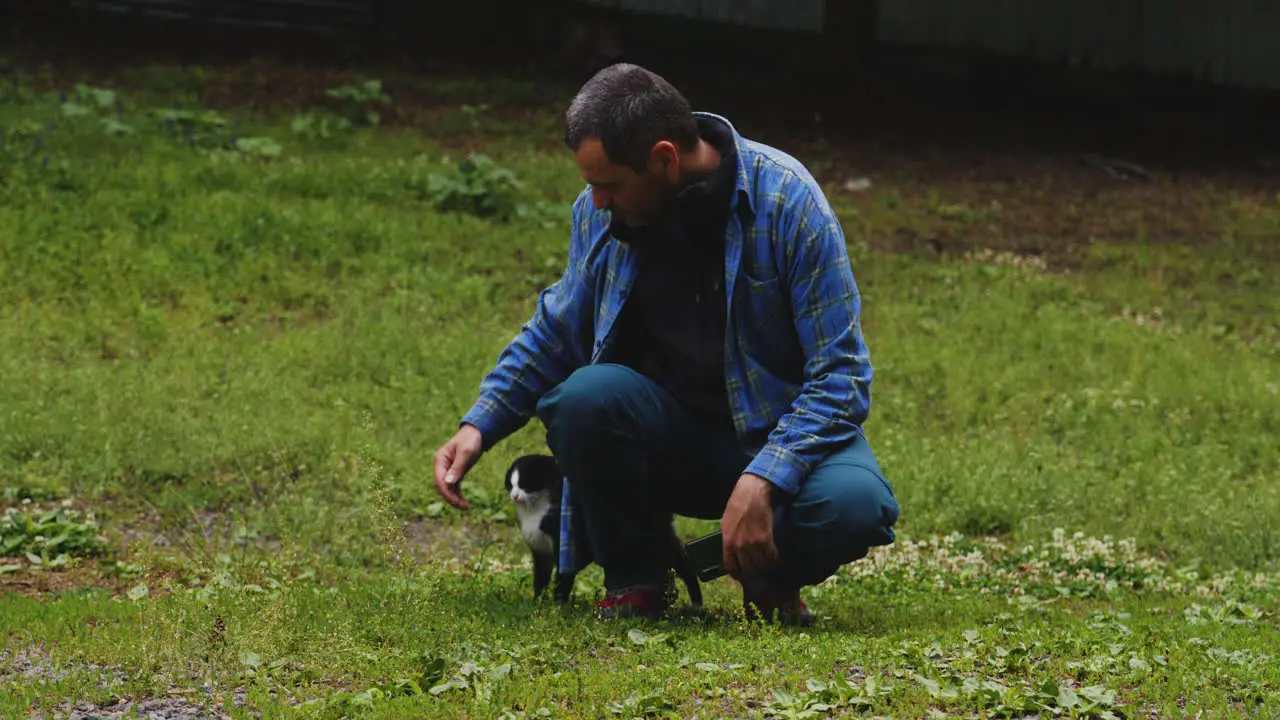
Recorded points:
534,484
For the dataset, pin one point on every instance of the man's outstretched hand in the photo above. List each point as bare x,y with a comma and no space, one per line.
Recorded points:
453,460
747,527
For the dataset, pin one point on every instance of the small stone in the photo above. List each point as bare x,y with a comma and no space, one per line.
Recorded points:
861,184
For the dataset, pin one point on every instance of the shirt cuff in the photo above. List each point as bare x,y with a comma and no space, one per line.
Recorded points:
494,421
779,466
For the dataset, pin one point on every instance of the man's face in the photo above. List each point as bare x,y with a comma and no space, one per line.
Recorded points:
635,199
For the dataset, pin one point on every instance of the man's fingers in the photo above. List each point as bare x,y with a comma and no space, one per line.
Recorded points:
448,473
450,494
750,560
771,556
455,499
742,562
731,563
461,463
442,466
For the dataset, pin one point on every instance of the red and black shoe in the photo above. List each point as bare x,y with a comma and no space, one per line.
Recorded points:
647,601
785,607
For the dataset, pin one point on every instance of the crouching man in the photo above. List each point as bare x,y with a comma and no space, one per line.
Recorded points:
700,356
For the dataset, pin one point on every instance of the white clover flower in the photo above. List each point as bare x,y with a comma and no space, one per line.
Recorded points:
498,566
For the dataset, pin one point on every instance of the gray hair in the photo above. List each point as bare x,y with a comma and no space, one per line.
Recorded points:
629,108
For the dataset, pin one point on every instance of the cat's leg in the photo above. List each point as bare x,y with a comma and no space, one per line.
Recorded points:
564,586
542,565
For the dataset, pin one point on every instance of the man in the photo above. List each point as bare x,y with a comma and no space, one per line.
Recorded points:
701,355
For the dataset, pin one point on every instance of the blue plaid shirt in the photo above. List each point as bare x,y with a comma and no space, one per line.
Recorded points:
797,369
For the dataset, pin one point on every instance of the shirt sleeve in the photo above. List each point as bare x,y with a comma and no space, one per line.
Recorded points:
549,346
835,398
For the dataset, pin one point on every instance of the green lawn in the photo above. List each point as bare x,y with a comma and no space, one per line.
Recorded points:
225,370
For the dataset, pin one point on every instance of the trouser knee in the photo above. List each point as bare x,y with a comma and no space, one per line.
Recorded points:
864,510
590,400
841,512
596,413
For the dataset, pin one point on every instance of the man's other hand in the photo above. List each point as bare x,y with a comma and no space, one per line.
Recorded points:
453,460
747,527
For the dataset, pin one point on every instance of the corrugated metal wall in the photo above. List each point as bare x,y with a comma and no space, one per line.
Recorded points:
327,15
1226,42
1043,30
802,15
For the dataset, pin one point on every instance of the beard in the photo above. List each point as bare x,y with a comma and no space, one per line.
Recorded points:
661,211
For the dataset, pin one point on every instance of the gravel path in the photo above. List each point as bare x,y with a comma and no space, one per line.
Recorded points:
33,665
153,709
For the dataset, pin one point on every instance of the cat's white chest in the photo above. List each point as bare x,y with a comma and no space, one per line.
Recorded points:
530,514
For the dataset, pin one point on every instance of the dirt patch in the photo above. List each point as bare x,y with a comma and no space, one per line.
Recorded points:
85,575
434,539
150,528
1046,207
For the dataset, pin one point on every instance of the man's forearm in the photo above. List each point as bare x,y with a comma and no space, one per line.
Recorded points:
548,347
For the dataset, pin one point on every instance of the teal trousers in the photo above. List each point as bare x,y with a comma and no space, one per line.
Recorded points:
635,457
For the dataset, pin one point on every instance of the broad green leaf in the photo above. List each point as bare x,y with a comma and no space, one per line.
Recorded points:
931,686
259,146
74,110
1067,698
1098,694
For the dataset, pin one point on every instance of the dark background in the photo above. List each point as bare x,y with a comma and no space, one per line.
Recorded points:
858,88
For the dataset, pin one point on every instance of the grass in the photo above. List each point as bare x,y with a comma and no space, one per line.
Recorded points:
232,347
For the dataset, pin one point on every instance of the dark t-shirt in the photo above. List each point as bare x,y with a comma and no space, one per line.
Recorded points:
672,328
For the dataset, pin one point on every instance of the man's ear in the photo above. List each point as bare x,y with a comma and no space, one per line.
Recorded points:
664,160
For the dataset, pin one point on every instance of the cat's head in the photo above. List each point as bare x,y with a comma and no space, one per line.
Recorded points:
532,475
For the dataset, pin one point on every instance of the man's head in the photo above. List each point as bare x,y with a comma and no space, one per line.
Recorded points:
630,130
